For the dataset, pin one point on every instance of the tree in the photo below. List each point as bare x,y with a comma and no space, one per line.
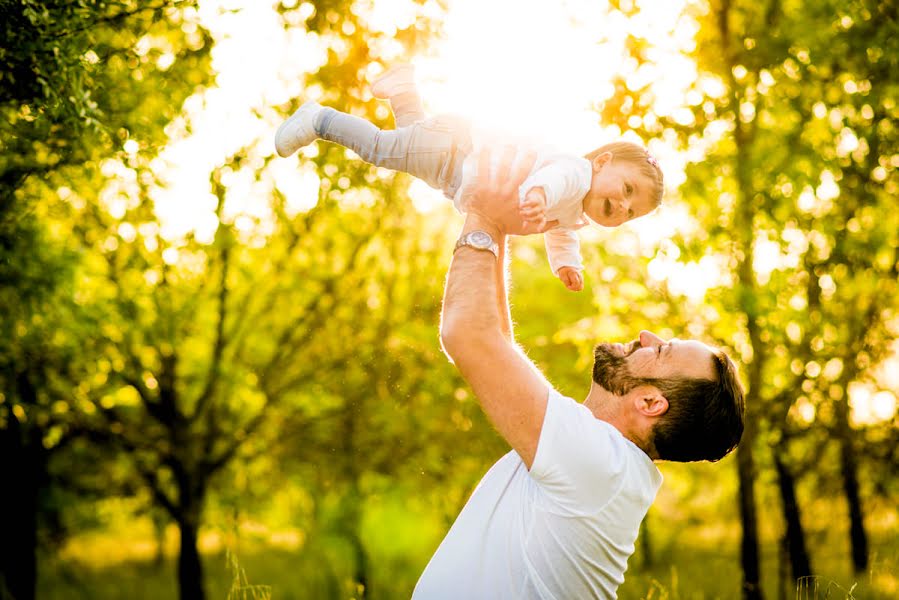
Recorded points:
180,414
198,354
783,92
38,354
65,104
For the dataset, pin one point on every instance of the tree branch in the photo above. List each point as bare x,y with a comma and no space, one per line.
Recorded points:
218,345
119,17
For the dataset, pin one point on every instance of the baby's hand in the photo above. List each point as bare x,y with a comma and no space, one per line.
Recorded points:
533,207
572,278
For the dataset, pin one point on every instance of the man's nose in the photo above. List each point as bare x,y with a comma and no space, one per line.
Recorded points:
648,338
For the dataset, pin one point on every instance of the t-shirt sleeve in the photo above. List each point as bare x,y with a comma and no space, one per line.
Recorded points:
580,460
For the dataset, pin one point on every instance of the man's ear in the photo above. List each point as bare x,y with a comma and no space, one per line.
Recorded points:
599,160
650,402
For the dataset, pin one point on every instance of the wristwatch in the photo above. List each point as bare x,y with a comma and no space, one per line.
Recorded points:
479,240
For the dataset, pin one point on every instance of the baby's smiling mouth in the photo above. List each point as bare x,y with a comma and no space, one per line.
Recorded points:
607,208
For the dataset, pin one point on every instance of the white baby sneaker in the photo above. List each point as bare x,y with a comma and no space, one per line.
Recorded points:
298,130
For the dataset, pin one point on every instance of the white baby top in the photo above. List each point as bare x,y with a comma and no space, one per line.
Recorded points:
565,180
563,530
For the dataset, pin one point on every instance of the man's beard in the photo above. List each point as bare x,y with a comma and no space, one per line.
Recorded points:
610,370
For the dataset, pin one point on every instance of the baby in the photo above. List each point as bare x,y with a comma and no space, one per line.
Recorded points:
613,184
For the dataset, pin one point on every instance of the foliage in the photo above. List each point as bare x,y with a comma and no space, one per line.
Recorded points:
187,359
284,372
75,87
793,114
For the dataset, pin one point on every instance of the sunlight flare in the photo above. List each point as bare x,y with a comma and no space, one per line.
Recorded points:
520,68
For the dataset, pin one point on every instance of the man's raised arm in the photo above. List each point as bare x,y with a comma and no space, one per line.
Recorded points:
476,327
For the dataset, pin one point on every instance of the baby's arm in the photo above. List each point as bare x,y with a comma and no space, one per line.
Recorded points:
533,207
558,181
563,250
543,191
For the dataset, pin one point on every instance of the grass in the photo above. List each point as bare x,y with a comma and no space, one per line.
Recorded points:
241,588
811,588
258,575
680,572
715,575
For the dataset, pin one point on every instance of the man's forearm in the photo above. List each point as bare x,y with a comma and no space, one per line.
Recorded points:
475,302
502,293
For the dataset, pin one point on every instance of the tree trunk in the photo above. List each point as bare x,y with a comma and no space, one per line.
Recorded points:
646,544
18,507
23,472
190,569
800,564
352,506
360,574
749,549
159,528
191,494
849,467
784,590
857,535
743,224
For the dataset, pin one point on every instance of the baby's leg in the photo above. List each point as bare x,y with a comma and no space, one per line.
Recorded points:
429,150
407,108
398,86
383,148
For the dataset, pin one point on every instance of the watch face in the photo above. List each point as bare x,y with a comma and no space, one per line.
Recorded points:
480,239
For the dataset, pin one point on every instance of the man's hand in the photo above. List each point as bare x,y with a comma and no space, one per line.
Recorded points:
533,208
495,195
572,278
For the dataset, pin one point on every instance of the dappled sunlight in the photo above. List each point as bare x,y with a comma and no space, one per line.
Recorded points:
425,198
251,46
299,184
888,372
141,543
869,405
691,279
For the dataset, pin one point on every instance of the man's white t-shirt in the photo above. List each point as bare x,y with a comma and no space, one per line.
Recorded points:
563,530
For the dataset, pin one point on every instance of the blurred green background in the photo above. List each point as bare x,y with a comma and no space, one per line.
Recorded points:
234,388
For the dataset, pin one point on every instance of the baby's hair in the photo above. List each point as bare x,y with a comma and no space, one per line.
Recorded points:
639,156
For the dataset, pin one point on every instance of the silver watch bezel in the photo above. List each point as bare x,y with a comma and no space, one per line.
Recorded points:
479,240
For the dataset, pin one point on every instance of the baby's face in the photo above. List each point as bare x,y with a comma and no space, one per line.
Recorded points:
618,193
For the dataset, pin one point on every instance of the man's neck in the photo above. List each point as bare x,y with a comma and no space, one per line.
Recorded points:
608,407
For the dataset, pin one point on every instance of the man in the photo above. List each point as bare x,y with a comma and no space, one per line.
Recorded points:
557,517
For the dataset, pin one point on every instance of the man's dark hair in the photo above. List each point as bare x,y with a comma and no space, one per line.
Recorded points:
704,420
